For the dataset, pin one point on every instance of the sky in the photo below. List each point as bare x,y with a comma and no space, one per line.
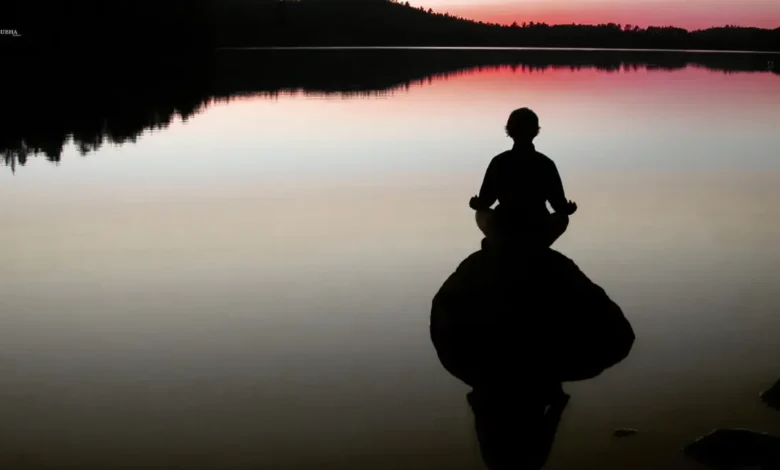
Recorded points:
689,14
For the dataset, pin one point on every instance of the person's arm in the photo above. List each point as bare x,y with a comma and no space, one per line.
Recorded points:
556,195
488,193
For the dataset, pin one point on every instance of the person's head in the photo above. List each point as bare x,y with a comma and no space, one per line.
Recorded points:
522,125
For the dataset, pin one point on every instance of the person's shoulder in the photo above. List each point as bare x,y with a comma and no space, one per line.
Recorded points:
546,161
500,157
543,157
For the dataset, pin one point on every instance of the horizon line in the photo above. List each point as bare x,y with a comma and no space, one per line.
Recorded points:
492,48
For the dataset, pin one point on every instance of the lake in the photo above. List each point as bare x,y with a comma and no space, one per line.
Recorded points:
236,271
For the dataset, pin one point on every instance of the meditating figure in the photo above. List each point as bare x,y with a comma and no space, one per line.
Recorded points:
522,180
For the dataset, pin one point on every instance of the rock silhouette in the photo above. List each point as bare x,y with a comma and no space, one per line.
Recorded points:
625,432
513,324
772,396
532,314
736,448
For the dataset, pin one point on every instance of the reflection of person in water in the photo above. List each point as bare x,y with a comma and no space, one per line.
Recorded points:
522,180
516,428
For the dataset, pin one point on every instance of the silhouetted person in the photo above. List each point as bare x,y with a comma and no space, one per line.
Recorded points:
522,180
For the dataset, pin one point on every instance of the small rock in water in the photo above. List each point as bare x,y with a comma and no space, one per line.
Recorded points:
736,448
624,432
772,396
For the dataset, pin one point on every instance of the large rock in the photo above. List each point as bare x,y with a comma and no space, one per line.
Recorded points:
503,316
736,449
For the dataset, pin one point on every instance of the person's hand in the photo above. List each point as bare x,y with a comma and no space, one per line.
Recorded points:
571,207
474,203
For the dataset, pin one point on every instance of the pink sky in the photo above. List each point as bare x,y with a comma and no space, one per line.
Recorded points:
689,14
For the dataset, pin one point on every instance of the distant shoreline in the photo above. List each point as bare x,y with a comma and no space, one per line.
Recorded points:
195,52
492,48
201,26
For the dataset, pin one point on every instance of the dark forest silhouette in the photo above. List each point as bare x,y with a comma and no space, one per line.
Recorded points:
146,24
103,102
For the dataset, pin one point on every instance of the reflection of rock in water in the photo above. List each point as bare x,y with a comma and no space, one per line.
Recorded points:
514,326
772,396
736,448
500,318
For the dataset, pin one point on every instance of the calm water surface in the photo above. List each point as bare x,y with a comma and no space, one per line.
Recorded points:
251,288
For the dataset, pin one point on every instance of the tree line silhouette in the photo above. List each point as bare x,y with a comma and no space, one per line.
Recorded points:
108,102
149,25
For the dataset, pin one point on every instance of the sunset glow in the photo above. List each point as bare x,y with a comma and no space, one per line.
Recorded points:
691,14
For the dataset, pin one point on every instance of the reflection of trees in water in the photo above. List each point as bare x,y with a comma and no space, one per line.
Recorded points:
109,104
88,125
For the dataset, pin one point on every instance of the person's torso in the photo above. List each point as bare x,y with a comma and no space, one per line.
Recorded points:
523,186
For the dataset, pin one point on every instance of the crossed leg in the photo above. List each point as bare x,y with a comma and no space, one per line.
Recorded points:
554,226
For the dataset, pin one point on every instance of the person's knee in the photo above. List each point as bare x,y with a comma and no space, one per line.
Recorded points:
483,216
563,221
485,221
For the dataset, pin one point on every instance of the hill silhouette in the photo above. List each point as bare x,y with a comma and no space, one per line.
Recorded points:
107,101
198,24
